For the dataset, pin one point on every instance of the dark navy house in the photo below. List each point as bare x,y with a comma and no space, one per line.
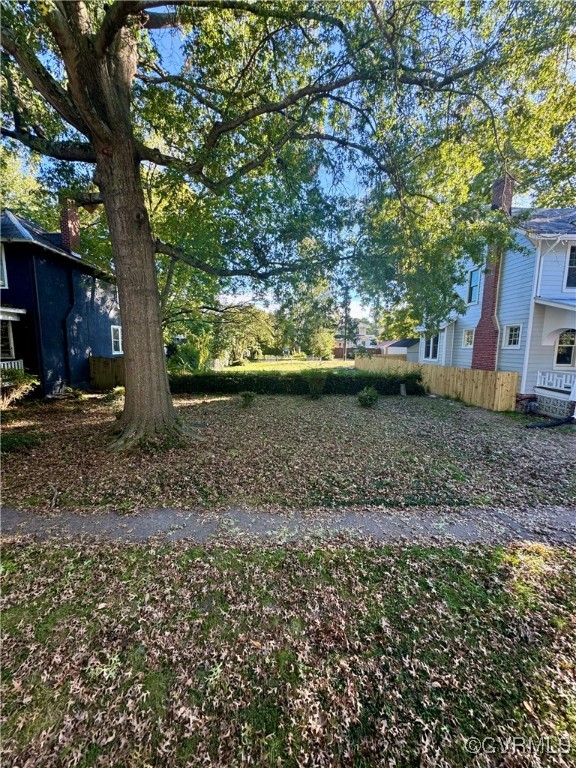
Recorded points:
56,309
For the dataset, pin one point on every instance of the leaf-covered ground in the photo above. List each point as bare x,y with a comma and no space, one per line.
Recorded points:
290,452
132,656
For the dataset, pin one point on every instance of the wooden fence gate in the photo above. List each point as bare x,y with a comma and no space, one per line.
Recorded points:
106,372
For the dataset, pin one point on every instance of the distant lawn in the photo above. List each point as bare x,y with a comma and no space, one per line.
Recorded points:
289,452
291,365
356,657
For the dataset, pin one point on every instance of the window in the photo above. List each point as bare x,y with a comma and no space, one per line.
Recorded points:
117,340
512,336
6,340
468,338
431,347
473,286
570,281
3,275
565,348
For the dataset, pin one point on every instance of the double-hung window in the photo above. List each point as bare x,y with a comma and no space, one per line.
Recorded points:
116,331
431,347
473,286
570,281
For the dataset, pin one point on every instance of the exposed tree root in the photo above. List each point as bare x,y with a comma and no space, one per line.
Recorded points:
150,435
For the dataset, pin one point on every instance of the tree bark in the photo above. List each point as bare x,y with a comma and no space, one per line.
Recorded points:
148,410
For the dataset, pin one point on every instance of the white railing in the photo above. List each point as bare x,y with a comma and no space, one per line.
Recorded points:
564,382
11,364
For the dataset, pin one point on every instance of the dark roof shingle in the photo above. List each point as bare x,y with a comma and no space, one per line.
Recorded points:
552,221
15,227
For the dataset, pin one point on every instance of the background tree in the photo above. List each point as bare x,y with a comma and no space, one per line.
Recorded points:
307,310
267,89
21,190
396,322
322,343
242,331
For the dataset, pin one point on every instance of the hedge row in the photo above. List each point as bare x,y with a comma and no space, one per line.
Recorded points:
294,383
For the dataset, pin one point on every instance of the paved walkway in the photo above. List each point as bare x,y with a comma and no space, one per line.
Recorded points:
555,525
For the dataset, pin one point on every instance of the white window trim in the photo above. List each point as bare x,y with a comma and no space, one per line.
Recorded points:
112,329
474,269
437,347
505,344
565,288
4,272
464,332
558,366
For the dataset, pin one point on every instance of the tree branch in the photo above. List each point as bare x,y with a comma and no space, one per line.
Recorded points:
341,141
42,80
318,89
81,152
165,293
162,20
209,269
116,16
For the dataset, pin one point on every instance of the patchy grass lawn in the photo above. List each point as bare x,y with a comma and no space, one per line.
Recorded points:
357,656
290,452
291,365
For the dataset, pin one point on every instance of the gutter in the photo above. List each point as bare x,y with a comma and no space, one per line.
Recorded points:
31,241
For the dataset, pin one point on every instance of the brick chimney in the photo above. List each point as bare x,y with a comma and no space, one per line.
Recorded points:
502,193
70,226
486,335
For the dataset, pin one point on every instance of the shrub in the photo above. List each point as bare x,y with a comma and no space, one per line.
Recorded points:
316,380
248,398
15,385
185,357
115,395
342,382
299,356
75,394
368,397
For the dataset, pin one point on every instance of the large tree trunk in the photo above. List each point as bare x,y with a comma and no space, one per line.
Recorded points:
148,410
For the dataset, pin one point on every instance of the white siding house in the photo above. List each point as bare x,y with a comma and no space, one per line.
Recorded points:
532,308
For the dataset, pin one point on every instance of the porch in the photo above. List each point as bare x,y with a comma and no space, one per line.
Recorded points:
559,384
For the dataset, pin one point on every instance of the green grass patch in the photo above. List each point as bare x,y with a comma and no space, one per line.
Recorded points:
18,441
369,655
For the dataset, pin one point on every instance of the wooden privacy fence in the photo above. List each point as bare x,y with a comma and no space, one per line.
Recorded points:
106,372
493,390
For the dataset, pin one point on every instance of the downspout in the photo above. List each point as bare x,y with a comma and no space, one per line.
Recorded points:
496,308
535,284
